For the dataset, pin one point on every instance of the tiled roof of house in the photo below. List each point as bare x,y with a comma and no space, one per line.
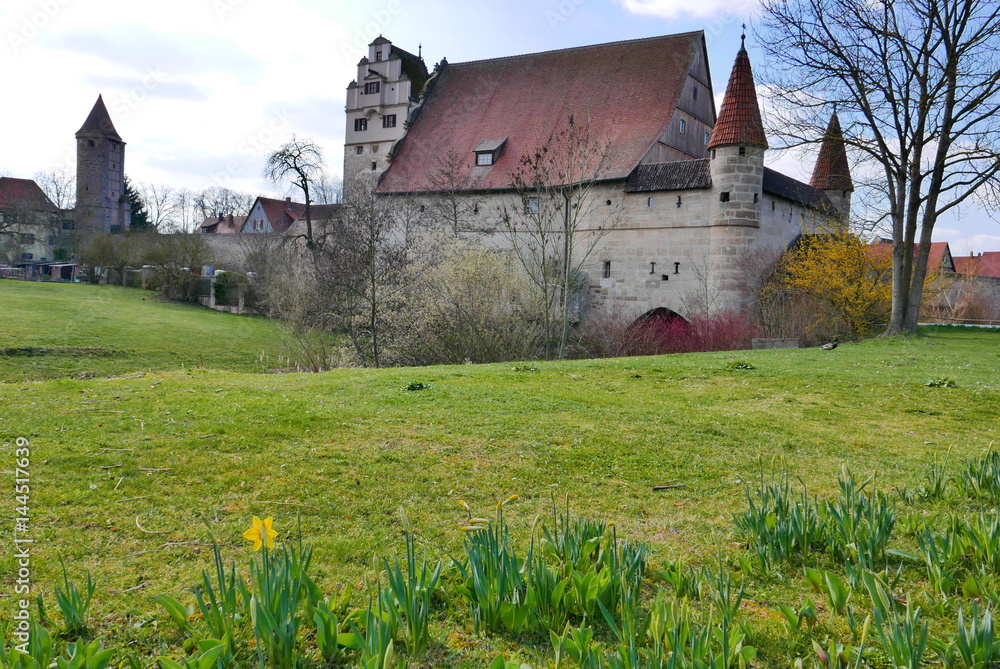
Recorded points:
939,257
23,194
984,264
284,213
622,93
223,225
99,122
793,190
832,172
739,119
675,175
413,67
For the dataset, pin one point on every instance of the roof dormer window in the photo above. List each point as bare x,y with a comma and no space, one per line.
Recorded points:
378,55
489,151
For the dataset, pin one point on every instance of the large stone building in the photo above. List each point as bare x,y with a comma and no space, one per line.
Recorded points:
100,175
685,193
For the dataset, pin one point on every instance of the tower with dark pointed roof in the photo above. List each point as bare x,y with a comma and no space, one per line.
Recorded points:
832,173
736,163
100,174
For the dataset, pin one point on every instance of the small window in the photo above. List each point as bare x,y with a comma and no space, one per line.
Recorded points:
374,166
389,121
372,87
743,150
90,143
705,140
694,93
68,225
378,55
713,150
772,205
27,256
649,202
682,126
652,268
724,196
607,270
359,150
755,198
484,159
531,205
360,124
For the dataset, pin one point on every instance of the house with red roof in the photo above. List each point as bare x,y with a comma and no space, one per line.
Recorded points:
688,187
284,217
34,233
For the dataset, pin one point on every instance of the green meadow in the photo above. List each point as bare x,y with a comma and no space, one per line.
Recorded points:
150,423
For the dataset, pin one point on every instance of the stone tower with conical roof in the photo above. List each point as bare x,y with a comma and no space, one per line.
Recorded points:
832,173
100,174
736,164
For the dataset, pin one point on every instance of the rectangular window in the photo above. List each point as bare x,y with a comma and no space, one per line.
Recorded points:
695,93
389,121
359,150
649,202
27,256
360,124
28,238
372,87
531,205
484,159
607,269
682,126
378,55
705,140
724,196
68,225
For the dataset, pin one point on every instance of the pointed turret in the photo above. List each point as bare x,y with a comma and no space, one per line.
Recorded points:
739,119
99,123
736,164
100,175
832,173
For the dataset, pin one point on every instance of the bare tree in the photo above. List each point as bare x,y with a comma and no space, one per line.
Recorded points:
555,217
59,185
220,200
162,205
917,83
367,264
452,203
327,190
187,212
300,161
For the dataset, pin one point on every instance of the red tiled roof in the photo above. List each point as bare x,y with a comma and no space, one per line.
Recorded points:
984,264
832,172
23,194
739,118
939,257
283,213
223,225
99,122
623,93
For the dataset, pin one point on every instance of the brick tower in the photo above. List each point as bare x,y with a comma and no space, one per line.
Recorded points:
100,175
736,164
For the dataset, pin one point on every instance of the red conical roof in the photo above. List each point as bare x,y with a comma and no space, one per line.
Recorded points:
99,122
832,171
739,119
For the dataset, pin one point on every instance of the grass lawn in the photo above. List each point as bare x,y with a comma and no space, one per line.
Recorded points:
125,470
109,330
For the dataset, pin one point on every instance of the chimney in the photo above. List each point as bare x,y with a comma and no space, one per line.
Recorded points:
288,200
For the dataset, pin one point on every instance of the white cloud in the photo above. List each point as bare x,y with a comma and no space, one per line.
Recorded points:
672,9
975,244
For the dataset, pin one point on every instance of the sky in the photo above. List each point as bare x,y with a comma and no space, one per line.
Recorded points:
203,90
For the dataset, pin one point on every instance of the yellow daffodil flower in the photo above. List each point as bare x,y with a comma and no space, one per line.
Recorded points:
260,533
